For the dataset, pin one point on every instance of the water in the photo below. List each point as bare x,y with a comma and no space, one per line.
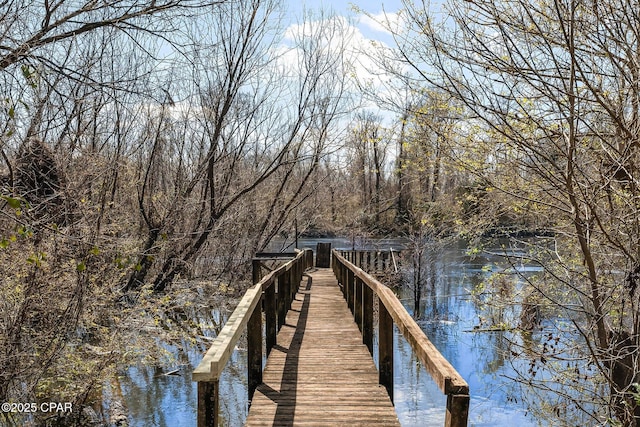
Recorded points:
448,314
167,397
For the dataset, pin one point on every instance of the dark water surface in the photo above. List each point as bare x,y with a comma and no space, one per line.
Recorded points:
448,314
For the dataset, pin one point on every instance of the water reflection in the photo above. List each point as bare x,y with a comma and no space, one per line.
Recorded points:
167,397
449,316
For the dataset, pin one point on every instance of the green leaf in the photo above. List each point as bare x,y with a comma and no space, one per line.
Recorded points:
13,202
81,267
26,72
35,260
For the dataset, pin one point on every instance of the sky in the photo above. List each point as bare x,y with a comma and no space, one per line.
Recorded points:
364,24
359,32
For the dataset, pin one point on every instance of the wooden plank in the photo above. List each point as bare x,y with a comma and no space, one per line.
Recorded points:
247,314
320,372
220,351
275,255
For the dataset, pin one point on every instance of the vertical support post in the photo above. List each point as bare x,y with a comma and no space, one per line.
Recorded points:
287,291
295,280
254,350
385,349
334,266
345,273
350,289
457,410
208,403
367,318
357,314
360,258
280,302
256,273
309,254
323,255
270,317
346,284
295,283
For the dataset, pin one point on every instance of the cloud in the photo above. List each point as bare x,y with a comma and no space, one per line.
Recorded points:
337,34
365,54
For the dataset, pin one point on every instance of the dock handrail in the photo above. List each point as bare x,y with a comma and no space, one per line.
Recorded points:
373,260
358,288
276,305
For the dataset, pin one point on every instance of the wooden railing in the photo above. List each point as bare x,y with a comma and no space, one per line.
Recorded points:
248,314
358,288
374,261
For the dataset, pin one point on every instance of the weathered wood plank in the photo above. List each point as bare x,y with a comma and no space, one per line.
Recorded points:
220,351
320,372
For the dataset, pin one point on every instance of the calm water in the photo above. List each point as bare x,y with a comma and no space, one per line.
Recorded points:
448,313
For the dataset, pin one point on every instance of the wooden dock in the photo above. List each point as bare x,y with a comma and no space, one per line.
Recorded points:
318,332
320,372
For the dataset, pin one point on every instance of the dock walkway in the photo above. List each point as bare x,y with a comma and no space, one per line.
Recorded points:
319,372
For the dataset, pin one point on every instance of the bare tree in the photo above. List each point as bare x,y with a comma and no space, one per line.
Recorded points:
270,136
550,90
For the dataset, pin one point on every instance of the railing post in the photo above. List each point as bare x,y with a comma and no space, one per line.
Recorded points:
323,255
357,306
341,271
345,279
367,318
281,300
208,406
295,282
385,348
254,350
457,410
256,273
345,285
334,267
350,289
309,258
208,403
270,317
